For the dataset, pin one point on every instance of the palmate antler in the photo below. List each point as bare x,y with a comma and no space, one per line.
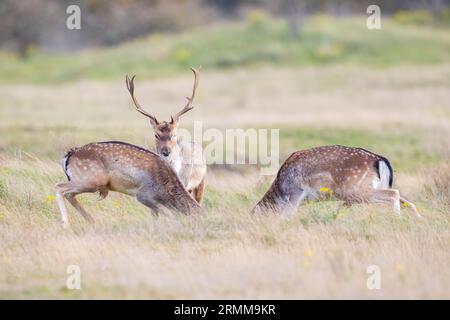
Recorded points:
188,105
130,86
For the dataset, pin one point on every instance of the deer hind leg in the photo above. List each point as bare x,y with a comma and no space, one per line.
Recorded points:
199,191
410,205
69,191
60,188
71,197
391,196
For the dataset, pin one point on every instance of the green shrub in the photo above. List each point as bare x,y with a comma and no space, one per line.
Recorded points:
444,17
328,52
414,17
257,19
182,56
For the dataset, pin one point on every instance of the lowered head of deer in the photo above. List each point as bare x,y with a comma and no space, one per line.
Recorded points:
166,140
352,175
122,167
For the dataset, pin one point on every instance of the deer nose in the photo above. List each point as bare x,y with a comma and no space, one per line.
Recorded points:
165,152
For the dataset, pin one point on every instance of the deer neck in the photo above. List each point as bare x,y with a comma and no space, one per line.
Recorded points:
273,200
175,159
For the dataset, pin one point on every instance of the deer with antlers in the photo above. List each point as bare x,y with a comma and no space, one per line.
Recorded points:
185,157
353,175
122,167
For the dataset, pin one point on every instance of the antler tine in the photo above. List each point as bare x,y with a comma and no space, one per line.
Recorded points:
130,86
188,105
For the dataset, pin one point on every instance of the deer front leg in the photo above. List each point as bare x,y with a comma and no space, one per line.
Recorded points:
294,200
199,192
146,197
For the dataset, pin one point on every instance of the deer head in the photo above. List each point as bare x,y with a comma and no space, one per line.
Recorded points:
165,131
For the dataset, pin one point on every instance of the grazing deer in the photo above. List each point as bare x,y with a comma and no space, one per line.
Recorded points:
350,174
119,166
185,157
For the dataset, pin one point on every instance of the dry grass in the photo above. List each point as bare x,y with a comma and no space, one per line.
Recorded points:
437,186
321,252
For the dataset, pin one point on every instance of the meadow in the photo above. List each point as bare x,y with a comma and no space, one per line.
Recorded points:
397,105
260,40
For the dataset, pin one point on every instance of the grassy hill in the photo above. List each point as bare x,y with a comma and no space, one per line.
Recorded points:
259,41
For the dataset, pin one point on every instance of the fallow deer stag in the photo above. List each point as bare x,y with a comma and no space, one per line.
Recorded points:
119,166
185,157
353,175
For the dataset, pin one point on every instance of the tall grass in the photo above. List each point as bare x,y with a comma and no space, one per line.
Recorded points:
322,251
437,186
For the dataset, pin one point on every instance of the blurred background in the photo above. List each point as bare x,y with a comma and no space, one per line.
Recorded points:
309,68
162,37
301,65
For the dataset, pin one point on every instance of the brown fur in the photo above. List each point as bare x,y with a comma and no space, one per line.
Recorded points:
348,174
117,166
186,158
199,191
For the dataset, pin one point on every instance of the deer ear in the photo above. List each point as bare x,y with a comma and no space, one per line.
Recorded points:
154,123
173,122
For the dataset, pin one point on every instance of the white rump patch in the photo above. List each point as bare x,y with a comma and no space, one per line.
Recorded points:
384,174
65,168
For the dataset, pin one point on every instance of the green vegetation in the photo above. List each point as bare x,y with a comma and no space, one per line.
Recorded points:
406,150
131,254
323,250
259,41
422,17
416,17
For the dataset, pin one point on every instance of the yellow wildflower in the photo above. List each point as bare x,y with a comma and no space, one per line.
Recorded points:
400,268
308,252
182,55
51,199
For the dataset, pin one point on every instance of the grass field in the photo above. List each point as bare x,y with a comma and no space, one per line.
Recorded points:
387,92
402,113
